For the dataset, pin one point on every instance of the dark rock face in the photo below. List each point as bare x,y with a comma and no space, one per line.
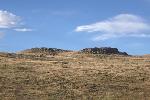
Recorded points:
44,50
103,50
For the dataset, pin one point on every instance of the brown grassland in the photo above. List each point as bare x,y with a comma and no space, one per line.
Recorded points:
74,76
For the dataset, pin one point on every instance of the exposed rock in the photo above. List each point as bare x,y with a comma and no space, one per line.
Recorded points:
43,50
103,50
42,53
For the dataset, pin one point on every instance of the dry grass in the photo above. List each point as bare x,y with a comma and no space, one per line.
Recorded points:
74,76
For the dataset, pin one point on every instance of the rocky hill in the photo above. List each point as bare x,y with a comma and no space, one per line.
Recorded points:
103,50
54,51
44,50
45,53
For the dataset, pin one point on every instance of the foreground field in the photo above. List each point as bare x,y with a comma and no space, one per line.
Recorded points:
74,76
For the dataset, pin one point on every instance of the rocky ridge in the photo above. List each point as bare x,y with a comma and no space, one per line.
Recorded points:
103,50
37,53
44,50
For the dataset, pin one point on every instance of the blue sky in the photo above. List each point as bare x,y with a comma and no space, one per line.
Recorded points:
75,24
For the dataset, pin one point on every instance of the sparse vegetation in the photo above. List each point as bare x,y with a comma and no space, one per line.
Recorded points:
74,76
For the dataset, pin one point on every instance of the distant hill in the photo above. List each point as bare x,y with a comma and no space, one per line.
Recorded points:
54,51
147,55
103,50
43,50
44,53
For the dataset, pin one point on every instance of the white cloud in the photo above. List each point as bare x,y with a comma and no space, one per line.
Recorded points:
11,21
8,20
23,29
123,25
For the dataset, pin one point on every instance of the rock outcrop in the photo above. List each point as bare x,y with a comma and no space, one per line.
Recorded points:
44,50
103,50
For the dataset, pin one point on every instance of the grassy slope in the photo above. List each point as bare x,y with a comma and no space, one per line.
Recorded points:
73,76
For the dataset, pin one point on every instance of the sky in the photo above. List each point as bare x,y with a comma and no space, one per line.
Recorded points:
75,24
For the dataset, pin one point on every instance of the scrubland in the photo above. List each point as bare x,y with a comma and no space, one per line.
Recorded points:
74,76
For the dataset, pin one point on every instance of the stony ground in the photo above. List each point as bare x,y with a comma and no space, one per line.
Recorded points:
74,76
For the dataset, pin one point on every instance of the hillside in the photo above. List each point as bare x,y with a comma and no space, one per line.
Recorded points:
42,51
69,75
148,55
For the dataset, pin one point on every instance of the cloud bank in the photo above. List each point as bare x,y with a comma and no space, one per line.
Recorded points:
11,21
8,20
123,25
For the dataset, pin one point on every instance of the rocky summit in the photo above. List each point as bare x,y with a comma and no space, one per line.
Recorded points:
54,51
103,50
44,50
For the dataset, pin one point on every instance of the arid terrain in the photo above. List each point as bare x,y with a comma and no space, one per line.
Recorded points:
71,75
